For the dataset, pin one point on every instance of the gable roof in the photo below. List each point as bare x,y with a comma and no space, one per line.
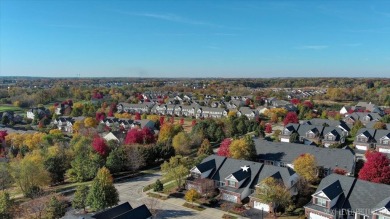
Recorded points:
287,153
141,212
333,190
303,129
370,133
356,194
113,212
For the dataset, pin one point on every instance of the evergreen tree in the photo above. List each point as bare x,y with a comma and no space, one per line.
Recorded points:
116,160
56,208
102,194
158,186
80,197
5,205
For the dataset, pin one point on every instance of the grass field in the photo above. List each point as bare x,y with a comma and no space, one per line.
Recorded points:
4,108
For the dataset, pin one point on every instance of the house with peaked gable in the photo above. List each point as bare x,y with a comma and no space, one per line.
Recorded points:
209,112
235,179
367,139
286,176
283,155
288,130
248,112
340,196
124,211
382,141
310,134
333,135
364,139
329,123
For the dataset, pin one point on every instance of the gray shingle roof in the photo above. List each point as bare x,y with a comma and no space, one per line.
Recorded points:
357,194
333,190
303,129
113,212
288,152
141,212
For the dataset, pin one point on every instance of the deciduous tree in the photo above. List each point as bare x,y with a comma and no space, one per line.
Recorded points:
224,147
243,148
376,168
273,191
191,195
181,143
291,117
379,125
306,166
205,148
100,146
176,169
5,205
6,179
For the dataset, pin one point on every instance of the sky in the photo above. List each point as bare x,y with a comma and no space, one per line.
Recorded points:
182,38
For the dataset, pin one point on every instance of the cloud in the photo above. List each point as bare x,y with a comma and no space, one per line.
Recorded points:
170,17
313,47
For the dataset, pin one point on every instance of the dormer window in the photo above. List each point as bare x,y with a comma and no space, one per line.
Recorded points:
329,137
362,139
231,183
321,202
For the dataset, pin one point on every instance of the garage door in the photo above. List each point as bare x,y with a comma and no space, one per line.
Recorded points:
285,140
361,147
316,216
261,206
384,150
229,197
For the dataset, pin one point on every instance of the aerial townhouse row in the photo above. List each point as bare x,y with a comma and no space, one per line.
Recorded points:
336,197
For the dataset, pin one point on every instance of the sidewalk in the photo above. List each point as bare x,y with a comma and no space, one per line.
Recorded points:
209,212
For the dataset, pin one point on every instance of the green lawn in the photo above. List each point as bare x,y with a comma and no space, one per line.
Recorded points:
4,108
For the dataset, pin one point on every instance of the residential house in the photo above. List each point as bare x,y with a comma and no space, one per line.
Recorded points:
286,176
288,130
310,134
382,141
364,117
39,111
124,211
133,108
248,112
329,123
65,123
144,123
332,136
170,109
283,155
364,139
235,179
361,107
187,111
340,197
209,112
159,109
63,109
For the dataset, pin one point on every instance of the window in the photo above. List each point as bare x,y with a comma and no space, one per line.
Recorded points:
231,183
385,141
329,137
362,139
383,217
282,164
321,202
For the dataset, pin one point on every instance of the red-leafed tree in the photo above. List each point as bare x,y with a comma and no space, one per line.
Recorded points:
308,104
247,102
339,171
193,123
2,135
134,136
162,120
182,121
224,147
295,101
100,116
376,168
56,104
100,146
137,116
148,136
291,117
172,119
268,128
110,113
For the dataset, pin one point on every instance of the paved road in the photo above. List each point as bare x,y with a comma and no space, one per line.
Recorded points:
131,191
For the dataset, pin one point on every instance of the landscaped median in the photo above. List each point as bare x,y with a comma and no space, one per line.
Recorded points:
157,195
194,206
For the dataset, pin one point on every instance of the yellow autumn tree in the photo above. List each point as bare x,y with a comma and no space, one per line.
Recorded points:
306,166
243,148
90,122
181,143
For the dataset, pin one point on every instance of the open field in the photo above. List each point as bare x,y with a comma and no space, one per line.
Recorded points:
7,107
